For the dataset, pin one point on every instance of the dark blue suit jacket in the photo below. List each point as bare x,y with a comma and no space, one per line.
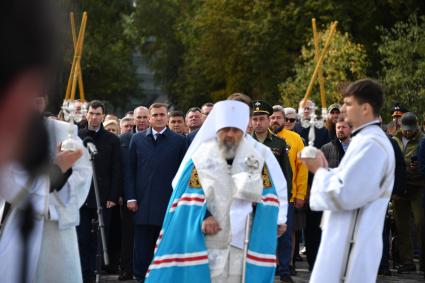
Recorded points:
125,159
152,167
190,137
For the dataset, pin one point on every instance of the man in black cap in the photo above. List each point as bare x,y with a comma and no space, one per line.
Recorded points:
333,113
260,123
396,112
408,139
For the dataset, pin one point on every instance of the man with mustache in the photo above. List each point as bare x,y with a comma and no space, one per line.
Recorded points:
299,183
225,174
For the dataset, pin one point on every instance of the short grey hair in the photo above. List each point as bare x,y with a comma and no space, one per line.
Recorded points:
290,110
279,108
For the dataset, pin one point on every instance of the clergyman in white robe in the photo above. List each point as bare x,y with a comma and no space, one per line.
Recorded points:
225,248
354,197
53,255
59,258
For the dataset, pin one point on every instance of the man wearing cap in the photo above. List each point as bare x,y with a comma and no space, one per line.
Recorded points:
260,122
408,139
333,113
224,174
396,112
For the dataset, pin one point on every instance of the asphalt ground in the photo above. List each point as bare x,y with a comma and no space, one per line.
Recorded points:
303,275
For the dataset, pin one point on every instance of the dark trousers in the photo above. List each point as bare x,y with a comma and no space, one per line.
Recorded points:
114,240
87,240
284,243
145,237
385,264
313,234
126,240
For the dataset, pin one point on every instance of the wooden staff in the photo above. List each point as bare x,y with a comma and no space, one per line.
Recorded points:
79,52
319,63
73,76
316,58
80,72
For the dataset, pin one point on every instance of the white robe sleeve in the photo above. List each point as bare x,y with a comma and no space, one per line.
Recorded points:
64,205
354,183
280,185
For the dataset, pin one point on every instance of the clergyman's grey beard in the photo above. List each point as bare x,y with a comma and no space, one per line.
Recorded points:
228,151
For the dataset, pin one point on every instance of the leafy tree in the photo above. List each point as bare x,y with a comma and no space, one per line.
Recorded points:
403,60
155,25
345,61
204,50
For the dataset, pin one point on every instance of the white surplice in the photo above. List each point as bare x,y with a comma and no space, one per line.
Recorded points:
354,197
59,258
53,254
16,190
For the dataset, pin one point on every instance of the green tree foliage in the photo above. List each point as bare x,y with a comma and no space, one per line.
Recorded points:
403,60
156,28
108,70
239,46
204,50
345,61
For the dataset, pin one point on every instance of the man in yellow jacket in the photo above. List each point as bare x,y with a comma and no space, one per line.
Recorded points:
299,187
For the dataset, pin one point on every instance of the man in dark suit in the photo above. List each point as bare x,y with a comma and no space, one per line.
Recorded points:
155,156
141,123
109,178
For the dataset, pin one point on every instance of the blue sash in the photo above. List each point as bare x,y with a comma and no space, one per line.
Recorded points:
181,254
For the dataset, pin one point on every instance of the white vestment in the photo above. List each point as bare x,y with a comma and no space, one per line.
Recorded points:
222,186
225,189
55,256
208,131
354,197
17,191
59,258
276,174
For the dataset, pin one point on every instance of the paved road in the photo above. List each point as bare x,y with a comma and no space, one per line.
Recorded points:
304,274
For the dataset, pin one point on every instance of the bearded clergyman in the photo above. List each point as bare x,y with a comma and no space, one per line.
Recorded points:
225,182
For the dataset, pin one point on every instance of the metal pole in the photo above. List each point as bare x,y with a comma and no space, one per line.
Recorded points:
101,224
245,246
351,244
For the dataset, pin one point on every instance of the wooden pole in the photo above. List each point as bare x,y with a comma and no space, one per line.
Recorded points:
80,72
319,63
73,75
77,56
316,58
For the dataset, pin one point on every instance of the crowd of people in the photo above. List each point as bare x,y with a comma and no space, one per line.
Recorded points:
224,192
142,152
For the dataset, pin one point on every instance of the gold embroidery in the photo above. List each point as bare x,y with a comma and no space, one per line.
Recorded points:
266,178
194,179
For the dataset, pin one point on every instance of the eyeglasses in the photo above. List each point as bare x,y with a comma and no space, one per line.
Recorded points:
291,120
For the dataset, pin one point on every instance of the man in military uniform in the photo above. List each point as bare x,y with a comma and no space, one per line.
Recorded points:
260,121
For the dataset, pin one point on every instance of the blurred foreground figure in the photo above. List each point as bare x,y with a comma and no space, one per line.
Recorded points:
222,181
26,28
354,196
56,198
